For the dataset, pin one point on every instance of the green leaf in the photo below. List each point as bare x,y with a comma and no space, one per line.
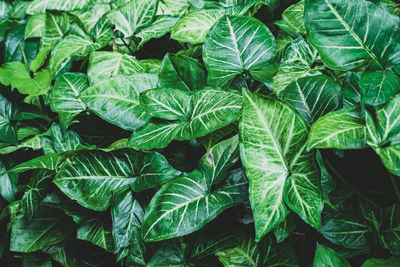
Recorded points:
56,25
185,205
390,229
245,254
116,100
48,227
105,65
133,15
342,129
293,16
91,15
181,72
8,132
38,187
47,162
194,27
60,141
40,6
90,176
379,86
299,59
281,172
383,129
8,184
76,44
35,26
159,28
97,230
236,45
377,262
347,230
208,111
283,230
64,96
326,257
127,216
349,34
312,96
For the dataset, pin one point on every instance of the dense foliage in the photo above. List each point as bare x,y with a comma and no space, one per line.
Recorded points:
199,133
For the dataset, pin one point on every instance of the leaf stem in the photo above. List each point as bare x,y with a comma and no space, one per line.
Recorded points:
23,54
353,188
127,46
395,186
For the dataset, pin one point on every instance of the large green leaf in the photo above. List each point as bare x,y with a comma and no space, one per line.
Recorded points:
342,129
194,27
90,176
293,16
312,96
64,96
56,25
207,111
235,45
349,33
105,65
50,226
116,100
181,72
281,172
35,26
40,6
378,87
326,257
189,205
190,201
133,15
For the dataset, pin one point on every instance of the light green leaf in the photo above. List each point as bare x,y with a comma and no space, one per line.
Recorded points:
281,172
235,45
104,65
349,34
209,110
64,96
133,15
91,15
378,87
194,27
47,162
326,257
40,6
342,129
116,100
160,27
61,141
39,85
35,26
48,227
56,25
293,16
181,72
312,96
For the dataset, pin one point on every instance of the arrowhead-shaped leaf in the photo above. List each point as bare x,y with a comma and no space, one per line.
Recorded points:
281,172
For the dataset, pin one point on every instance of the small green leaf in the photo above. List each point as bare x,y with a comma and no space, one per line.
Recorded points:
326,257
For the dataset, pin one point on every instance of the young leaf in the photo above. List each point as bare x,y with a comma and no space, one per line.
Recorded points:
281,172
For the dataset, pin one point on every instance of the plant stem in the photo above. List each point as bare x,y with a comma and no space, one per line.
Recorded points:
353,188
395,186
127,46
23,54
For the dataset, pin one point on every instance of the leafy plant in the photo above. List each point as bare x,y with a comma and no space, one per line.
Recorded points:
200,133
